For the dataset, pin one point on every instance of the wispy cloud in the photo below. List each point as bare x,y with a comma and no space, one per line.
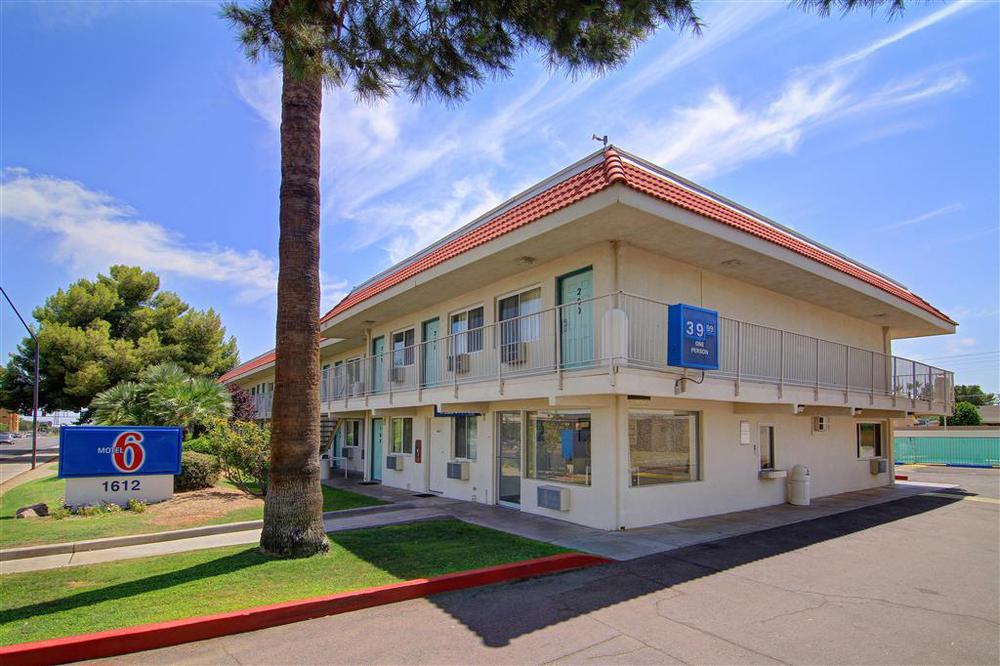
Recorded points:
721,132
923,217
93,230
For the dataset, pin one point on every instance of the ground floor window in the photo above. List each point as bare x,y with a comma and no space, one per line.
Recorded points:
869,440
466,434
402,435
559,446
352,432
766,436
662,447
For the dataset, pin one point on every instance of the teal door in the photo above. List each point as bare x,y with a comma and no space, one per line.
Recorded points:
378,364
430,359
377,448
576,317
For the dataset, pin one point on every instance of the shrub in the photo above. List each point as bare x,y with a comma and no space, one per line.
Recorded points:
87,510
199,445
111,507
965,414
244,450
198,470
136,505
59,513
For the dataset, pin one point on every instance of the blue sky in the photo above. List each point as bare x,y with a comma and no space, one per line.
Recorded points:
137,133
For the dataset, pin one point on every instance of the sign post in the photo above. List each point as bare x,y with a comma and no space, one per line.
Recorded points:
692,337
118,463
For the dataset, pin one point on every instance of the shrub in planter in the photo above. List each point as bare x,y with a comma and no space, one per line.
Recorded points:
244,450
198,470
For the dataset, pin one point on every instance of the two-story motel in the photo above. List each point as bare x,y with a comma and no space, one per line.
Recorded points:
522,360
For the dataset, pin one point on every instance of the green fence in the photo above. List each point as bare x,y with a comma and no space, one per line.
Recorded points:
949,450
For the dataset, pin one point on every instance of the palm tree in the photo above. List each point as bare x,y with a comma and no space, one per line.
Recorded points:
427,48
164,395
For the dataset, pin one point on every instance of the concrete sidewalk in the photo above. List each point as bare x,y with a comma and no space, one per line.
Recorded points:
389,516
409,507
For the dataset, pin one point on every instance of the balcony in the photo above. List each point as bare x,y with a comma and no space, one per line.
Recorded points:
262,405
620,340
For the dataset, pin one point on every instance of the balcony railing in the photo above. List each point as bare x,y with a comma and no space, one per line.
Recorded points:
262,403
623,330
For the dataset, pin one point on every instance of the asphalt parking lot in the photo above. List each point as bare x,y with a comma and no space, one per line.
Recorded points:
911,581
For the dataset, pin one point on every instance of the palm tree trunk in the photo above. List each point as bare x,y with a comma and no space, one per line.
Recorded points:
293,507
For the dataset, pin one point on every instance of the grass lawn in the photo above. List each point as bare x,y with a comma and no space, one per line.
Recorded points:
73,600
50,489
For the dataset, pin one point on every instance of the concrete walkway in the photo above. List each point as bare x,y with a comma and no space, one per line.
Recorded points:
409,507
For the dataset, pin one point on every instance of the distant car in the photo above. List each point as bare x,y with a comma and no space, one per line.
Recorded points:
6,437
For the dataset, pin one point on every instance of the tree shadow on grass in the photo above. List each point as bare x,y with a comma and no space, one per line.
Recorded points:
498,614
222,565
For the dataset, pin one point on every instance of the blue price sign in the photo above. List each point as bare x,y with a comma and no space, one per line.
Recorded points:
119,451
693,337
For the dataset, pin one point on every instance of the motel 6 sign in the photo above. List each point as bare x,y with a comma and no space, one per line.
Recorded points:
692,337
118,463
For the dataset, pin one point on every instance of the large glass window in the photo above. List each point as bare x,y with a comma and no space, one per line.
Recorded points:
662,447
559,446
402,435
467,329
869,440
466,433
519,316
402,347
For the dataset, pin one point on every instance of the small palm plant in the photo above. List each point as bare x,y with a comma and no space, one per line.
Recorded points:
164,395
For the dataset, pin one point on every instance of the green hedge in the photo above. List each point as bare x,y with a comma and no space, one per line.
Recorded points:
198,470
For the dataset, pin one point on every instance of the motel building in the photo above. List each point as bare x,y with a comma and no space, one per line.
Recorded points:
522,361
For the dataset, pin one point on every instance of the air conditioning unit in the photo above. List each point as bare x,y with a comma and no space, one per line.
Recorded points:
878,466
553,497
398,374
458,363
458,470
821,424
358,388
394,463
514,353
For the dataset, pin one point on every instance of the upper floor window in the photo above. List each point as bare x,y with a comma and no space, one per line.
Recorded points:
519,316
467,329
869,440
402,347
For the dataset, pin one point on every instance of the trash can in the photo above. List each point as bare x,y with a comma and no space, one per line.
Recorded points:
798,486
324,466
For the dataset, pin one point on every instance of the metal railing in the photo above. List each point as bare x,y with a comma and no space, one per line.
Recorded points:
625,330
262,405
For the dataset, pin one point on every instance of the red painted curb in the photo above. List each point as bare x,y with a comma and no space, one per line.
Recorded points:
902,477
162,634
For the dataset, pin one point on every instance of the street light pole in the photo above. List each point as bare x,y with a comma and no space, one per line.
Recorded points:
34,404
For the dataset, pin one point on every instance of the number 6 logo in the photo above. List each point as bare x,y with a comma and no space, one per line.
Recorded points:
128,454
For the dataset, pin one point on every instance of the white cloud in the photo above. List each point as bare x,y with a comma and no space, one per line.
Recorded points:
92,230
923,217
721,132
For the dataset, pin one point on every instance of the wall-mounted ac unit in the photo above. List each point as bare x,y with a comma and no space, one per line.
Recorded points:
394,463
514,353
553,497
458,363
878,466
821,424
458,470
398,374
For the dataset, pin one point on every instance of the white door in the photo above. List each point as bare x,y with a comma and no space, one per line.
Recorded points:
440,453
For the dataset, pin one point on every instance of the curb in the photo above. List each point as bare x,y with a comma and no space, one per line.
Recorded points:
172,535
162,634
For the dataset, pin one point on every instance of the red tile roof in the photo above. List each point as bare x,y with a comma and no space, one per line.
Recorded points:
612,169
252,364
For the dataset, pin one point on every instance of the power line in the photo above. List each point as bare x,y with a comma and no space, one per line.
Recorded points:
935,358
